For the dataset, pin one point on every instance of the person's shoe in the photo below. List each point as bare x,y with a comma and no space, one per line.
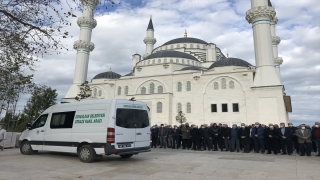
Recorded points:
318,155
256,152
301,154
283,153
165,147
289,154
1,148
269,153
238,151
160,147
231,151
221,150
308,154
262,152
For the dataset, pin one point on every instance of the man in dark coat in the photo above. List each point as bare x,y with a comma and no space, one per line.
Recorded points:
175,132
316,136
257,133
244,133
163,134
234,138
215,132
294,138
225,133
285,134
206,138
185,132
271,139
196,138
154,136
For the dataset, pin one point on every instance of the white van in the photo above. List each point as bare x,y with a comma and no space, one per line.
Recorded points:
90,128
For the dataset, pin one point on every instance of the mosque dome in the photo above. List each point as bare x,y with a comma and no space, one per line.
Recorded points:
185,40
175,54
230,62
107,75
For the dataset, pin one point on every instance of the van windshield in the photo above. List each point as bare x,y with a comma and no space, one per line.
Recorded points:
132,118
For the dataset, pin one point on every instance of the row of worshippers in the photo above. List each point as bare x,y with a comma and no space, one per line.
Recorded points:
257,137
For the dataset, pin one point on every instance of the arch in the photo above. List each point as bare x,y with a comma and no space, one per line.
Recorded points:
160,89
151,88
188,107
188,86
215,85
223,83
179,86
231,84
147,82
185,45
126,90
159,107
235,79
143,90
119,90
179,107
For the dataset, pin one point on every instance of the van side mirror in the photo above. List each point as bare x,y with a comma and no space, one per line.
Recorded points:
29,126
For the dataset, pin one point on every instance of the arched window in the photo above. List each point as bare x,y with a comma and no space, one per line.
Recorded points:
171,60
94,92
198,46
215,85
192,62
171,46
119,91
185,45
223,83
159,61
179,88
159,107
188,86
179,107
191,45
165,60
153,61
231,84
143,90
166,47
126,90
178,46
177,60
182,61
188,62
99,93
148,61
160,89
151,88
188,107
204,46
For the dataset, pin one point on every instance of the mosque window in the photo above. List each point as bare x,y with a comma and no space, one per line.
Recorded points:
179,107
188,86
171,46
188,62
231,84
182,61
192,62
188,107
177,60
99,93
159,107
165,60
159,61
179,88
148,61
191,45
178,46
160,89
166,47
215,85
94,92
185,45
153,61
198,46
204,46
143,90
224,107
171,60
213,107
235,107
151,88
223,83
119,91
126,90
144,63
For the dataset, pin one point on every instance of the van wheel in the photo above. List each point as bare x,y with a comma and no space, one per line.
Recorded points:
86,154
126,156
26,148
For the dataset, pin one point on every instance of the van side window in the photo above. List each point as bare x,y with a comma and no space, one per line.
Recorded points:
62,120
132,118
40,122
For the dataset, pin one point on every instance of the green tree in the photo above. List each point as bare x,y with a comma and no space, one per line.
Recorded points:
85,91
41,98
180,118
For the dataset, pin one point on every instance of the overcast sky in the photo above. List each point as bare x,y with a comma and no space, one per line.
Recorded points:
121,29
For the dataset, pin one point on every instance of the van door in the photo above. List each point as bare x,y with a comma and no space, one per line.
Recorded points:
36,133
124,126
142,126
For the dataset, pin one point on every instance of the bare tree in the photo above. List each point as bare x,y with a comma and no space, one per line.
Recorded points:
85,91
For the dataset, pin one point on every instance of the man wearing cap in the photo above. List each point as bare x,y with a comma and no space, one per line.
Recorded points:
2,136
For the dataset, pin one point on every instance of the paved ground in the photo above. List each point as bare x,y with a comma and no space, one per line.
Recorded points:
162,164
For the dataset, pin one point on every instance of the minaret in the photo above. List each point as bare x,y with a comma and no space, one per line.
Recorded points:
83,47
149,40
260,16
275,42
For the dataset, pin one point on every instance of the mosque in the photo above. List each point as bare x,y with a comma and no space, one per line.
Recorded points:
193,76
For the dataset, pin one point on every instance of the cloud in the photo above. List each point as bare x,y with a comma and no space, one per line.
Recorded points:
120,33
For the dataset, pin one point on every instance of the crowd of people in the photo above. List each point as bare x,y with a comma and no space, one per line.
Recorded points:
257,137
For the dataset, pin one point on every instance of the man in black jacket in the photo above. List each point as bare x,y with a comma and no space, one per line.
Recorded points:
284,134
271,139
206,138
196,138
244,133
294,138
215,132
175,132
154,136
225,133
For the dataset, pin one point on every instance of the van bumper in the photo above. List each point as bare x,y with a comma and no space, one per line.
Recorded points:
110,149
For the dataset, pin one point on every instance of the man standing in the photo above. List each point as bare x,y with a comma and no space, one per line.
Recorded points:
185,131
2,136
294,138
225,132
154,136
284,134
271,137
257,134
215,132
163,133
196,138
175,132
234,135
244,133
169,136
304,140
206,138
316,136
